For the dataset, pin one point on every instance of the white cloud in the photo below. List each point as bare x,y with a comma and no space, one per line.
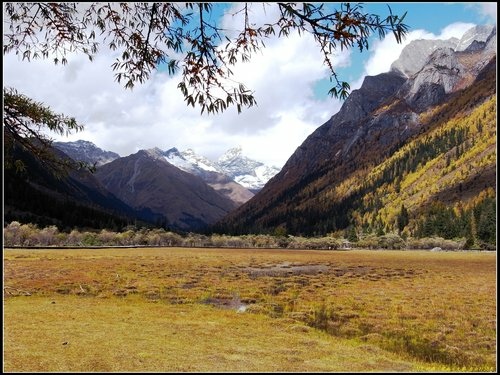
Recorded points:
487,10
454,30
154,114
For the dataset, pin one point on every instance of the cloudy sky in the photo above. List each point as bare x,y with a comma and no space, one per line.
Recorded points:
289,82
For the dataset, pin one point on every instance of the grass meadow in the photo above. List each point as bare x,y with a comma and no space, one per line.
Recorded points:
244,310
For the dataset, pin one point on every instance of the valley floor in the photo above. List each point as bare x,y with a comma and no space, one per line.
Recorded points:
241,310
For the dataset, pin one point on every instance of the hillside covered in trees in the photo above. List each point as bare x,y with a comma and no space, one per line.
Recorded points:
434,176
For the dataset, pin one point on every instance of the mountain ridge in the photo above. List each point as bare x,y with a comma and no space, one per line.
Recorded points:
74,198
249,173
146,180
315,193
87,152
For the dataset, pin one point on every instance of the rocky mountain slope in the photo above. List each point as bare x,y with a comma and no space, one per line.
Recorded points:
146,180
87,152
72,199
409,113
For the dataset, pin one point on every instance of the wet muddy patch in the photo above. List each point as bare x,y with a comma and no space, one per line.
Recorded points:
286,269
234,303
358,271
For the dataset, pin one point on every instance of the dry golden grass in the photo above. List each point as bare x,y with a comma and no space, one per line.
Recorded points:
88,334
176,309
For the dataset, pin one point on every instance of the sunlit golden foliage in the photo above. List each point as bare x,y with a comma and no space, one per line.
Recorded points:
416,187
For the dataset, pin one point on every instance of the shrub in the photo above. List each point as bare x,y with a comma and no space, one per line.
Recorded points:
106,237
370,241
74,238
428,243
12,234
391,241
46,236
90,239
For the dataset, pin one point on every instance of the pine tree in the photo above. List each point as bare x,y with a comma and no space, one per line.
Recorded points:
352,236
486,225
470,242
402,218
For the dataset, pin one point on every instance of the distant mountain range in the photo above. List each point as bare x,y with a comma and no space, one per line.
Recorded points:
75,199
179,190
412,151
249,173
147,180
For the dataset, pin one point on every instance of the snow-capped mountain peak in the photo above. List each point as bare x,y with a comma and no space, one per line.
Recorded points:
174,157
230,155
257,178
234,163
199,161
249,173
